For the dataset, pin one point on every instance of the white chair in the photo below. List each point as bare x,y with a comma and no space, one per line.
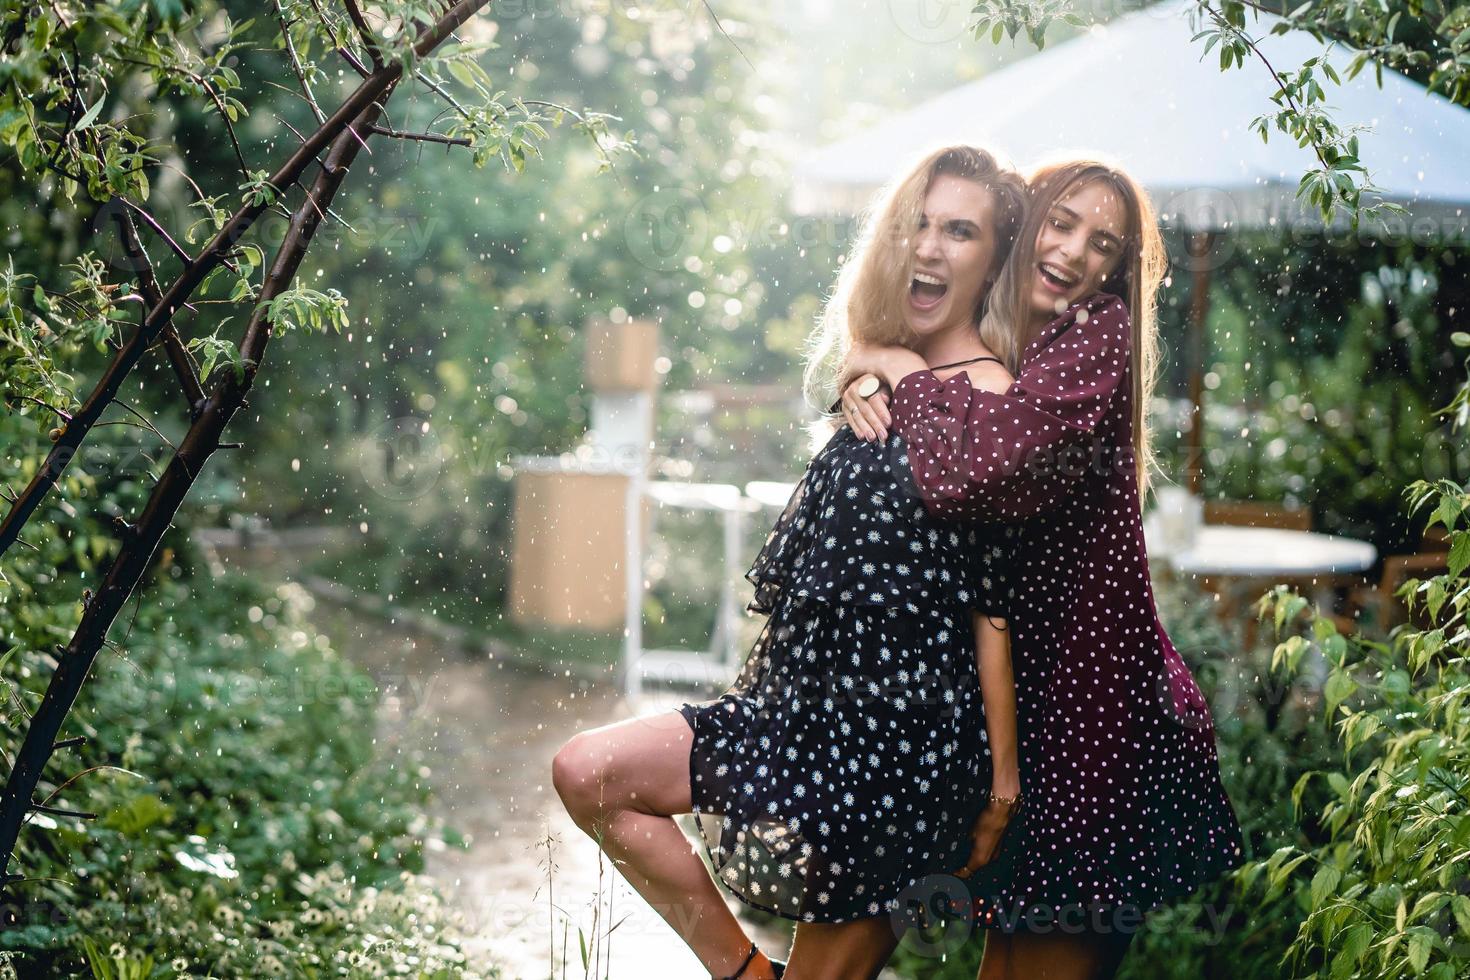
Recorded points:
718,665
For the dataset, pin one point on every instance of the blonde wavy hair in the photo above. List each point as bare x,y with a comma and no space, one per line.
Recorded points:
1006,327
867,304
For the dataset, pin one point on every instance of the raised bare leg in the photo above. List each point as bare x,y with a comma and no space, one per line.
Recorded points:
622,784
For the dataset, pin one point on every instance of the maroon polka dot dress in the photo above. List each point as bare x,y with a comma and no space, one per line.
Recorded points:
1124,809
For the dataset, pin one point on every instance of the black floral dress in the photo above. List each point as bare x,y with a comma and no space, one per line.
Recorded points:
849,759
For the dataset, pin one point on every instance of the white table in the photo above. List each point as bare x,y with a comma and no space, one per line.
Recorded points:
1265,552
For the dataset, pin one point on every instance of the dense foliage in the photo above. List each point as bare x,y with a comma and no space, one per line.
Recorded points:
249,822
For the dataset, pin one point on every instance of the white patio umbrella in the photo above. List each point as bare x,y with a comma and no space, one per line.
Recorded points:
1137,91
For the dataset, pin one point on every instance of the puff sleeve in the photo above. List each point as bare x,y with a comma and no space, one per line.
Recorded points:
981,455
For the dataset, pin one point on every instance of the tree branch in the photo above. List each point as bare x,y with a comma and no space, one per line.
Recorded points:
358,113
422,137
178,355
369,92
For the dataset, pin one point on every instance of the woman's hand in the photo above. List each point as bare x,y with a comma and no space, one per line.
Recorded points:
868,416
986,834
866,410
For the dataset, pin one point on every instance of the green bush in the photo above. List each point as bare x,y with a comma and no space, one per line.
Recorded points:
1387,893
248,822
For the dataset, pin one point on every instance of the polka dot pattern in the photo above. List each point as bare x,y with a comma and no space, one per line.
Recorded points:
1124,804
849,759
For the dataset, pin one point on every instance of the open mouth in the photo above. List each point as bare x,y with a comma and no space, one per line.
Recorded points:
926,290
1056,279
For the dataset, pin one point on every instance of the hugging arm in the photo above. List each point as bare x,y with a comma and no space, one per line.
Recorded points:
979,454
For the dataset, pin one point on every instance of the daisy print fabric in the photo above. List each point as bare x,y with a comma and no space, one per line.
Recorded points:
849,760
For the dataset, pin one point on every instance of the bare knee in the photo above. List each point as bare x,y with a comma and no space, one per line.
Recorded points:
578,772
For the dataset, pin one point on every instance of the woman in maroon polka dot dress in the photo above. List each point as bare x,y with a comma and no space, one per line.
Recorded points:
1123,806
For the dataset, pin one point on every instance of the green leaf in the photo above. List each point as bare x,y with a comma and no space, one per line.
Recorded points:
91,113
1459,558
1299,789
1448,511
1460,905
1324,882
1421,942
463,73
1338,689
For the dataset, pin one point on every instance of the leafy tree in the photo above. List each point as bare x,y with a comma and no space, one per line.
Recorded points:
81,86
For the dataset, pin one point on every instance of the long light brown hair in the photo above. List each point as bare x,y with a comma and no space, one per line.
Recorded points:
868,304
1007,326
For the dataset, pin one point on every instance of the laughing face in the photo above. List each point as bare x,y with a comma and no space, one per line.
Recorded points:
1079,245
954,252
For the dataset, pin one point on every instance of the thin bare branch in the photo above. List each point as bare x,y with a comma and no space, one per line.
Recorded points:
296,64
422,137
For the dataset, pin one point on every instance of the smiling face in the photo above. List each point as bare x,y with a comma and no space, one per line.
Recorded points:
1079,244
953,258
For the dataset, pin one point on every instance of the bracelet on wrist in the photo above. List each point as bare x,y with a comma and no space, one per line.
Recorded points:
1007,800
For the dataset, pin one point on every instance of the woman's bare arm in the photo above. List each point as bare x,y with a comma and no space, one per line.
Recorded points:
998,689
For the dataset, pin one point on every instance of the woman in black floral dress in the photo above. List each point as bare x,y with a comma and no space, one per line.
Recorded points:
851,758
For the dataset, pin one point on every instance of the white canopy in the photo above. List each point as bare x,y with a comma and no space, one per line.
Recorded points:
1136,91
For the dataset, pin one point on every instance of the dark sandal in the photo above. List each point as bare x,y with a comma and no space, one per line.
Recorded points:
741,969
